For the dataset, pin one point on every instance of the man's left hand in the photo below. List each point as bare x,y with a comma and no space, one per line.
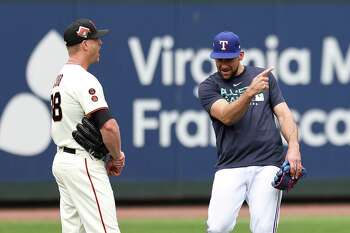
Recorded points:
294,158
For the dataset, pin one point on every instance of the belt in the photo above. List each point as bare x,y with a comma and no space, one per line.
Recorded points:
73,151
68,150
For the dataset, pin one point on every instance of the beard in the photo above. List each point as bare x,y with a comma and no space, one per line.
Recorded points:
227,71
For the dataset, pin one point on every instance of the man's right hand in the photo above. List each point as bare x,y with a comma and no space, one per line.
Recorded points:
115,166
120,162
260,82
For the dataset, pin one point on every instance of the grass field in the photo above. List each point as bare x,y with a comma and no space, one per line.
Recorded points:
287,225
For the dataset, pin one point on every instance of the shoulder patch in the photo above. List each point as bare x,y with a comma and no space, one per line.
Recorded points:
92,91
94,98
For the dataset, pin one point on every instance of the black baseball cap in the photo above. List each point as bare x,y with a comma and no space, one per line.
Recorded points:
82,29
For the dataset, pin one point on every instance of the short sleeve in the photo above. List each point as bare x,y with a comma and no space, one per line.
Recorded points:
208,93
276,96
90,95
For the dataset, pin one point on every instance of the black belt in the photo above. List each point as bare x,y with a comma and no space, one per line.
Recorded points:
68,150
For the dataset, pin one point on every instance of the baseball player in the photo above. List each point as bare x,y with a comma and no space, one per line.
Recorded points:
242,102
86,197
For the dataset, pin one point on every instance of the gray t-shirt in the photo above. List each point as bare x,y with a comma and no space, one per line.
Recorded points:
255,139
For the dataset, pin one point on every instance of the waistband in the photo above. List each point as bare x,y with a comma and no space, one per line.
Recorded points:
83,153
69,150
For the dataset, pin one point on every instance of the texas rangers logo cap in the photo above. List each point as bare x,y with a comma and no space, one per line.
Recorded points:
226,45
82,29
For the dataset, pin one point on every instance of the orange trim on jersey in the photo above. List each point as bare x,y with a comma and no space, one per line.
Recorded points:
93,189
95,111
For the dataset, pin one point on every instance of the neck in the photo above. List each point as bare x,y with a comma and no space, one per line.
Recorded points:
240,69
78,61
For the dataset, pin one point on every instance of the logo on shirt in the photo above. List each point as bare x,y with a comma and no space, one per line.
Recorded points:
92,91
94,98
232,95
236,84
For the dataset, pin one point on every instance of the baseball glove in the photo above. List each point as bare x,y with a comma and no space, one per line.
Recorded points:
283,179
90,138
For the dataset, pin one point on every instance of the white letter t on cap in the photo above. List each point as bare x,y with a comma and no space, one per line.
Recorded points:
223,44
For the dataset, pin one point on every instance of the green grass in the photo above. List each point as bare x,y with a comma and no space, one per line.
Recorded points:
287,225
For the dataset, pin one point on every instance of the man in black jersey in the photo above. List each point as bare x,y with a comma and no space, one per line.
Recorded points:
242,102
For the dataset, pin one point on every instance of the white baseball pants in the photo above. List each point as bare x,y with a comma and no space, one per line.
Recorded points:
86,197
231,187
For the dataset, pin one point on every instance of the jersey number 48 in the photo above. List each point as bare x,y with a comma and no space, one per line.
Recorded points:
56,110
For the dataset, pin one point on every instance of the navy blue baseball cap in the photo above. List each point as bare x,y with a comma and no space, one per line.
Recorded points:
226,45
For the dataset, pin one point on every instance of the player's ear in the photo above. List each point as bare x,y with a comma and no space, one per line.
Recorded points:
241,55
84,45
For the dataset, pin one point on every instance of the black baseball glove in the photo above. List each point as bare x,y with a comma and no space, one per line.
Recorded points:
89,137
283,180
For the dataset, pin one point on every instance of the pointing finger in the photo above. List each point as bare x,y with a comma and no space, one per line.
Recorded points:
266,71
